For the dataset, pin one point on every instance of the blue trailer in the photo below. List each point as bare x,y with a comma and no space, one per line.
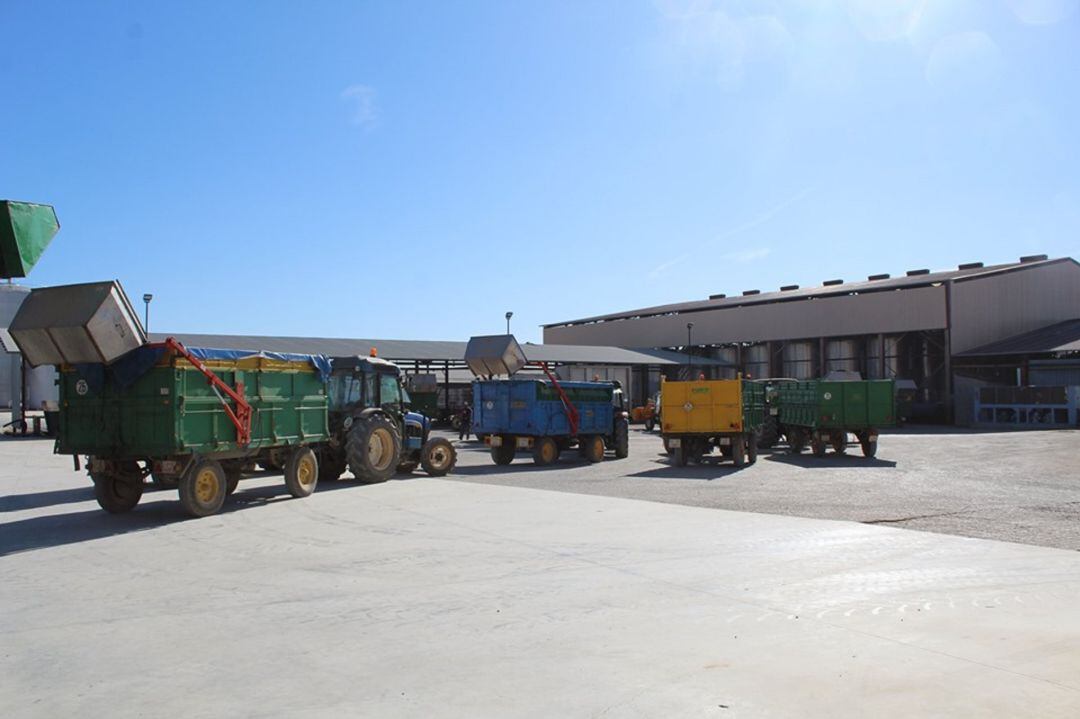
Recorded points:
546,417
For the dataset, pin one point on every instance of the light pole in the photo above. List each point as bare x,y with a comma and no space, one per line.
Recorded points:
146,316
689,356
508,316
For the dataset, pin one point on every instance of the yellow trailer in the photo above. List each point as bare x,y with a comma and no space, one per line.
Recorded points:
699,415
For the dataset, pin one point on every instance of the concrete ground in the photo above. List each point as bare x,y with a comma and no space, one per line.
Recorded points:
1012,486
451,598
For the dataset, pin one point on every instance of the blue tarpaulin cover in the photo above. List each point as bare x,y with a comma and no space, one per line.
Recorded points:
129,368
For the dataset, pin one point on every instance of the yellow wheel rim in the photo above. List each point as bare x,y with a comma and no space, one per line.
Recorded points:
380,449
207,486
305,471
549,452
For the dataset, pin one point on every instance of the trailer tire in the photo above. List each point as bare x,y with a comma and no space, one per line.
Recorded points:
839,442
738,450
650,424
545,452
202,488
622,439
817,445
438,457
594,448
752,444
869,446
667,447
117,494
302,472
373,448
769,434
233,471
504,453
796,441
680,455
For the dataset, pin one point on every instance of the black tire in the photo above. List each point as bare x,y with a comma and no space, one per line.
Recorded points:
667,447
593,448
680,455
202,488
769,434
838,440
796,441
817,445
438,457
869,446
331,466
738,450
725,451
504,453
373,448
302,472
233,471
622,439
545,451
752,444
650,424
117,494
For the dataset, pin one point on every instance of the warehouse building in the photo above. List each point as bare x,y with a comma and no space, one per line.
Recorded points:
946,334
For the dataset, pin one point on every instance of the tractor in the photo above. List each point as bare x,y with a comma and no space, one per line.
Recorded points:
372,432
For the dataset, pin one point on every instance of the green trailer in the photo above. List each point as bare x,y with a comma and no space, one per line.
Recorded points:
822,413
193,417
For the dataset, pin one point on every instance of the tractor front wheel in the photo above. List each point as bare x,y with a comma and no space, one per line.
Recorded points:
373,448
438,457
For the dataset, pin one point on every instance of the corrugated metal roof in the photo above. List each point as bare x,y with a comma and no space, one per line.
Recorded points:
1060,337
433,351
861,287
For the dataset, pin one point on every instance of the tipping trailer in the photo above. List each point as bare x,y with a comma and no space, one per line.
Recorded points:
544,416
822,413
191,416
699,415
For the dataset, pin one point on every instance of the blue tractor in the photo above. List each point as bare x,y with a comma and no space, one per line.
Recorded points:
372,432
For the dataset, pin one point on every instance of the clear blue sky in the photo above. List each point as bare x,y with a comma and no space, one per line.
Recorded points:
415,169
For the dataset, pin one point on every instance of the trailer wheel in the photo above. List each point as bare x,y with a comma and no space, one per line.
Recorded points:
202,488
769,434
622,439
752,444
668,449
438,457
869,446
738,450
839,442
504,453
233,471
545,452
650,424
817,445
680,455
117,494
373,448
594,448
796,440
302,472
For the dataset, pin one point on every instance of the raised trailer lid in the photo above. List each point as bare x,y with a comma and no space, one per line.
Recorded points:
77,324
490,355
26,229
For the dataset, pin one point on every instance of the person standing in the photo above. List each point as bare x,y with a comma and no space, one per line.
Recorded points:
466,422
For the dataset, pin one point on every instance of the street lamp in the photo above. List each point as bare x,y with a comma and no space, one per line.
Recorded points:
689,356
146,317
508,316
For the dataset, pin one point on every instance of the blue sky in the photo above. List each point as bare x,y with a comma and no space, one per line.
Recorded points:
415,169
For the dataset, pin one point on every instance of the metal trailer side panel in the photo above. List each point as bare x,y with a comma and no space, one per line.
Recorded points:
533,408
838,405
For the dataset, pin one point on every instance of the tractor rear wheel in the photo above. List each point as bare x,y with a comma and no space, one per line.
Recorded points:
373,448
545,452
438,457
594,448
202,488
622,439
302,472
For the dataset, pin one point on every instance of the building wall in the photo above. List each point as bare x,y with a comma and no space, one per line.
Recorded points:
999,306
871,313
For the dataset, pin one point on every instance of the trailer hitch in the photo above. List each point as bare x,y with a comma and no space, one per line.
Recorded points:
240,415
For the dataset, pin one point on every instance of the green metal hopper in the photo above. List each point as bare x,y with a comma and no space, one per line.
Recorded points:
26,229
